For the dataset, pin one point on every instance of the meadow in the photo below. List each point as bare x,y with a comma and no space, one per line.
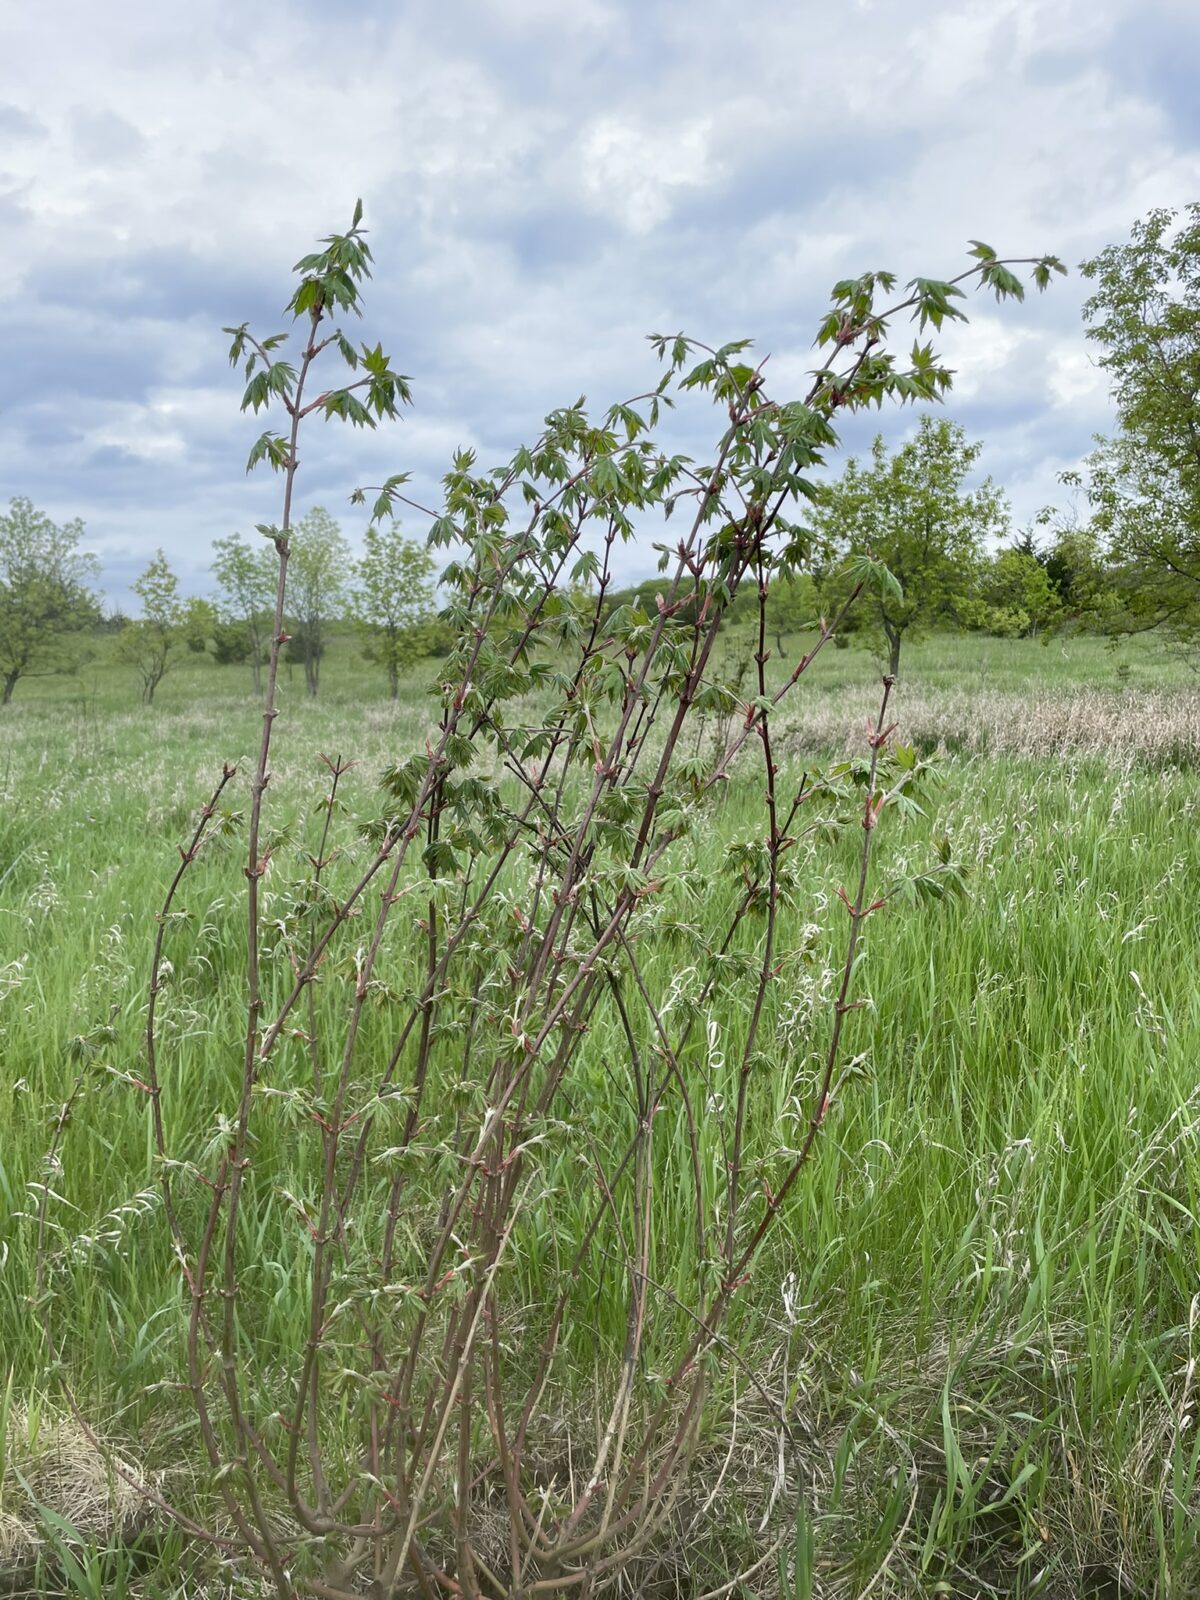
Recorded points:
983,1307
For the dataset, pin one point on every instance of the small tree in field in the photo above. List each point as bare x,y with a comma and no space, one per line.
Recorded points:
1019,592
1087,585
44,597
152,642
199,624
912,511
391,596
792,607
530,1090
246,590
321,567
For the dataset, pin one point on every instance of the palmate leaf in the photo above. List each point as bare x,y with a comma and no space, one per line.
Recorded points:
342,403
270,447
1003,281
934,301
866,569
1043,269
238,347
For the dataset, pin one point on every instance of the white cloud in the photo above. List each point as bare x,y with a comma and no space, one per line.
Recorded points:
1077,381
632,171
989,355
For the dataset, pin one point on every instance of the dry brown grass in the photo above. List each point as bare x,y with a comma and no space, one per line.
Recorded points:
49,1464
1161,726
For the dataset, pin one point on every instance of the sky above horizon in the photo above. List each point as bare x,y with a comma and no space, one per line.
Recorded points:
544,184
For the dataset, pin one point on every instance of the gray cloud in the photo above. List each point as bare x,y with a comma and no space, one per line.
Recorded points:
17,123
102,137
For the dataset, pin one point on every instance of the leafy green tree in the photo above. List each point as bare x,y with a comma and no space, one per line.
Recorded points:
792,606
246,595
1020,595
230,644
391,599
1145,481
45,601
1148,528
320,567
1070,550
199,624
152,642
913,512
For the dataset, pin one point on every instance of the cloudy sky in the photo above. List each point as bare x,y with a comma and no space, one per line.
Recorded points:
545,182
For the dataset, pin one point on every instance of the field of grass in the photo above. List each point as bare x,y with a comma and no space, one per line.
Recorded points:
986,1296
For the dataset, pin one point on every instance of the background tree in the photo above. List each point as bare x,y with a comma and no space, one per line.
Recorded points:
153,641
392,599
320,563
199,624
44,596
245,595
1020,595
792,606
913,511
1076,567
1065,541
1147,524
230,645
1145,481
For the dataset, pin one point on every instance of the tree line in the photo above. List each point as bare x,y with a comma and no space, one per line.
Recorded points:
48,606
1124,558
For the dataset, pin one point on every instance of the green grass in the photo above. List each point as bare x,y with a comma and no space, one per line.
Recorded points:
973,661
986,1288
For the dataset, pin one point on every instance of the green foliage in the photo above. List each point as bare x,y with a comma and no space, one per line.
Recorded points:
320,567
793,606
305,649
45,602
910,519
1075,567
854,318
1020,594
391,598
152,642
245,577
1144,483
330,282
231,645
198,623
